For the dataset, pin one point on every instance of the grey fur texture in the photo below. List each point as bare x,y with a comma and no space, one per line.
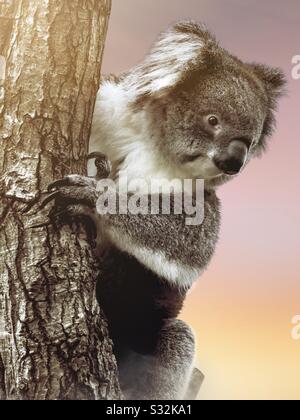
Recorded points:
189,110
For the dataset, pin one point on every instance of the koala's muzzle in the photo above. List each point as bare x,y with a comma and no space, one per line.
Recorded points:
233,160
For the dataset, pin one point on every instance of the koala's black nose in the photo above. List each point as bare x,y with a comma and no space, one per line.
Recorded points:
230,166
231,161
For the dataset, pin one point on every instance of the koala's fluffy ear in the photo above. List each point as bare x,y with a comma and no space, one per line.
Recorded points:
176,54
274,82
273,79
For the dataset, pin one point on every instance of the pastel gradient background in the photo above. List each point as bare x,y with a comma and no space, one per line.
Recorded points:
242,307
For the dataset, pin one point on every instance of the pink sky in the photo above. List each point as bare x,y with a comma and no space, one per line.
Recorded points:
242,307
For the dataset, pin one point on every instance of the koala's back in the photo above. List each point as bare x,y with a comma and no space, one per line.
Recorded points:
135,301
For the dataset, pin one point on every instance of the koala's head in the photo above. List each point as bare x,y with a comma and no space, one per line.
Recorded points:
209,111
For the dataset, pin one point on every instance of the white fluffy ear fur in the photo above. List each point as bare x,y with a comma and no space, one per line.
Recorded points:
176,54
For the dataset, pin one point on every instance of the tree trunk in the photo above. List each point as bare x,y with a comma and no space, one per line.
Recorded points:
54,342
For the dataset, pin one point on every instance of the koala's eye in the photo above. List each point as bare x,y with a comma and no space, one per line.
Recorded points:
213,121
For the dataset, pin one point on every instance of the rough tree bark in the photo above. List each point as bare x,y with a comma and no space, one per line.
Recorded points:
53,339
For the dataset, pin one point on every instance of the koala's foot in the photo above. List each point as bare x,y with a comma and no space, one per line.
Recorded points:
164,374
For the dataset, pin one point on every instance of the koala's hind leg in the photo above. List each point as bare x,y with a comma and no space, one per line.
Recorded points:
165,373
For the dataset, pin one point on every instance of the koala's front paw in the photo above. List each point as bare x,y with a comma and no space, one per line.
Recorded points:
73,189
73,197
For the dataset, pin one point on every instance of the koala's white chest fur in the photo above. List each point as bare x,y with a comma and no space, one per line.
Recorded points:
120,134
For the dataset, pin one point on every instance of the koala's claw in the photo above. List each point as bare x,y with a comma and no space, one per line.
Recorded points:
47,200
72,181
65,196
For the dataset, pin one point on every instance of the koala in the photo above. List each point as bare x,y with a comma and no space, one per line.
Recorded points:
190,110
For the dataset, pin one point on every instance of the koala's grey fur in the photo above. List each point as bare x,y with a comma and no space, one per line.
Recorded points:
155,122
